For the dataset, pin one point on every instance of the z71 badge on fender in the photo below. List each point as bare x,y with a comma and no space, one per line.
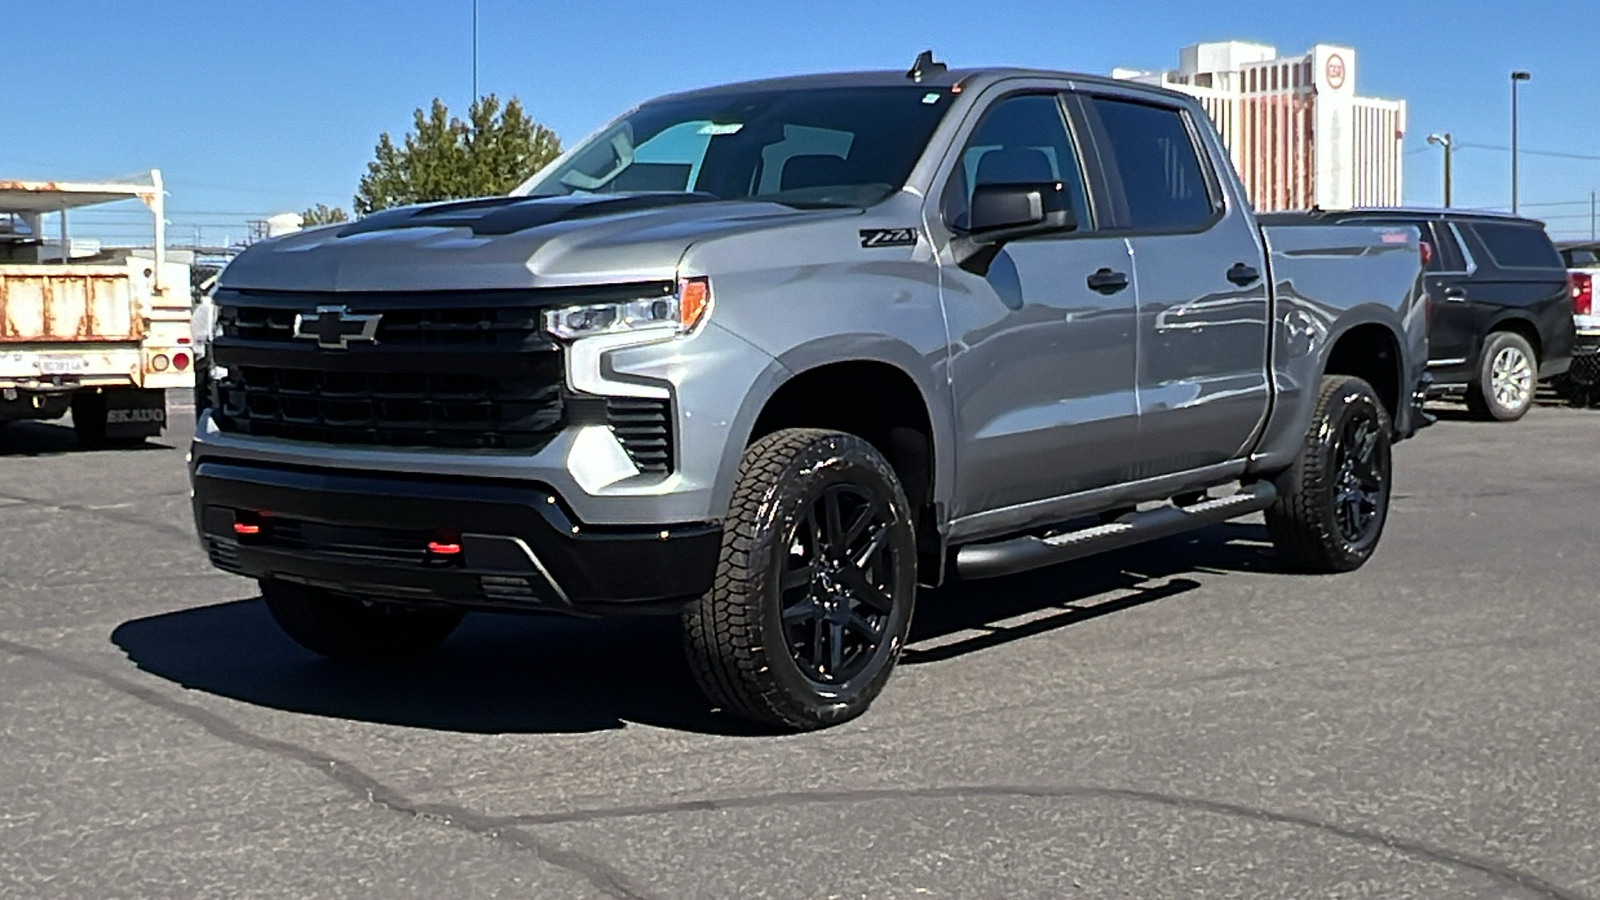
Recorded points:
888,237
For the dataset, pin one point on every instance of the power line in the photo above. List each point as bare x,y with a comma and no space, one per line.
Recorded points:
1583,216
84,215
1561,203
1551,153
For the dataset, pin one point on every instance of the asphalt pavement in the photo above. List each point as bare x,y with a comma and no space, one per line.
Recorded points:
1178,720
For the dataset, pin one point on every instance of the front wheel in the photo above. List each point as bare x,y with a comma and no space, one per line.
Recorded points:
814,590
1332,504
1507,379
347,628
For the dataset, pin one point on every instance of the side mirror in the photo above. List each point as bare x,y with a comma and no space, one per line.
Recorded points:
1003,212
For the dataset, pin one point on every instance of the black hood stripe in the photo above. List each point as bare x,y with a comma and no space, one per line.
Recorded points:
509,215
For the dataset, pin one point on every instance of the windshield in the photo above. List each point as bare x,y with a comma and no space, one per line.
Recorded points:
817,147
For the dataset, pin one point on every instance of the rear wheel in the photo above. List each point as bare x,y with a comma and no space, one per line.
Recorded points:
347,628
1508,377
814,592
1333,503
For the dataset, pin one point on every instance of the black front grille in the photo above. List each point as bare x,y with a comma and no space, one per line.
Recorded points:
644,428
442,370
395,409
488,327
469,370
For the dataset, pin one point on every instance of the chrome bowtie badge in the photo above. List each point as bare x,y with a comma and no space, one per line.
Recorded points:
334,327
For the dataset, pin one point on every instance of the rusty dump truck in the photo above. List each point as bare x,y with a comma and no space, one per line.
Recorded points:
101,333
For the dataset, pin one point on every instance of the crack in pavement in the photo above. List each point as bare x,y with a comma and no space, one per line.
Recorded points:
507,829
184,534
603,877
182,577
1494,869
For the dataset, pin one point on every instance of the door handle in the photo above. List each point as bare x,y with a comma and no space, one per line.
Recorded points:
1107,282
1455,293
1243,275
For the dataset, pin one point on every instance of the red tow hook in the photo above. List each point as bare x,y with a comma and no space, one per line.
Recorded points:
445,547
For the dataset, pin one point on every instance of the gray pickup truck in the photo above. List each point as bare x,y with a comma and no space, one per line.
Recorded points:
769,356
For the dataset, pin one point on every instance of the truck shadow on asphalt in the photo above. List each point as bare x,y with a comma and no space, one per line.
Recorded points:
50,439
551,674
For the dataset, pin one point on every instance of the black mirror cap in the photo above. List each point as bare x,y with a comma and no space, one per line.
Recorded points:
1021,208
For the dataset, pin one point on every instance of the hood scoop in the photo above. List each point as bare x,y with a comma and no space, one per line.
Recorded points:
509,215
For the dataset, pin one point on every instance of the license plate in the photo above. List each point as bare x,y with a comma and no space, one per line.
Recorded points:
62,365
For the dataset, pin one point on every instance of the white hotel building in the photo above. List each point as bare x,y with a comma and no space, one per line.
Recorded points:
1299,135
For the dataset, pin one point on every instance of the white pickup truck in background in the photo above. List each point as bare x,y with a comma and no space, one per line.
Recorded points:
1582,382
104,334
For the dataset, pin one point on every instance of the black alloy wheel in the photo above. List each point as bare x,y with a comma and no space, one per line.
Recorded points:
839,584
1361,477
815,588
1333,500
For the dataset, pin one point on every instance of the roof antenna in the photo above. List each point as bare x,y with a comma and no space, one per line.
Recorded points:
925,65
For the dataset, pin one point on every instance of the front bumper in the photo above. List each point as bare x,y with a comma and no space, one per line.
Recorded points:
368,535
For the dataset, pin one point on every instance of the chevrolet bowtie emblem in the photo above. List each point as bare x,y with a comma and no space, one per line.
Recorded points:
334,327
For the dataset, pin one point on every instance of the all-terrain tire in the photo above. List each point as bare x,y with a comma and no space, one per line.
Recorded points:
1507,379
762,641
1333,502
353,630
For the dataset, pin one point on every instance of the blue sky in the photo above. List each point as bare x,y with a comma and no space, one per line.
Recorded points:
261,107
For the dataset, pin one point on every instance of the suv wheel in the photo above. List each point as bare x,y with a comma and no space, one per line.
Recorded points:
815,588
1333,502
347,628
1507,378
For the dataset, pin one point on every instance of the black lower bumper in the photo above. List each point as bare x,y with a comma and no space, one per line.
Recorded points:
505,545
1586,359
1417,416
24,404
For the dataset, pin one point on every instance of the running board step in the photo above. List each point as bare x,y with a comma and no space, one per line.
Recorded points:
1023,553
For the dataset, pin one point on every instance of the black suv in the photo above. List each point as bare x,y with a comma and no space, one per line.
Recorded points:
1501,310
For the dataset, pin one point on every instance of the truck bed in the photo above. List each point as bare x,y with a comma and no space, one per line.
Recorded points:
67,303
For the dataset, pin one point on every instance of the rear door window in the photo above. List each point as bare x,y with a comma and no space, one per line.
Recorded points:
1446,252
1514,245
1157,164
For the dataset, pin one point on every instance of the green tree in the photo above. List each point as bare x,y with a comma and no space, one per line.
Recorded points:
448,159
322,214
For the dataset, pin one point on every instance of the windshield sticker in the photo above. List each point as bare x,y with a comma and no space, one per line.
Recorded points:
888,237
930,97
713,128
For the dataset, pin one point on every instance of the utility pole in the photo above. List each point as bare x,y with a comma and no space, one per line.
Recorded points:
474,52
1445,141
1516,78
1591,216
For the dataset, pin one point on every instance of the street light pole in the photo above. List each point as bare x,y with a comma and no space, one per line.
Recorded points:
1445,141
474,52
1516,78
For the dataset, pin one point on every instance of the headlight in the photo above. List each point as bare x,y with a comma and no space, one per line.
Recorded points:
677,314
